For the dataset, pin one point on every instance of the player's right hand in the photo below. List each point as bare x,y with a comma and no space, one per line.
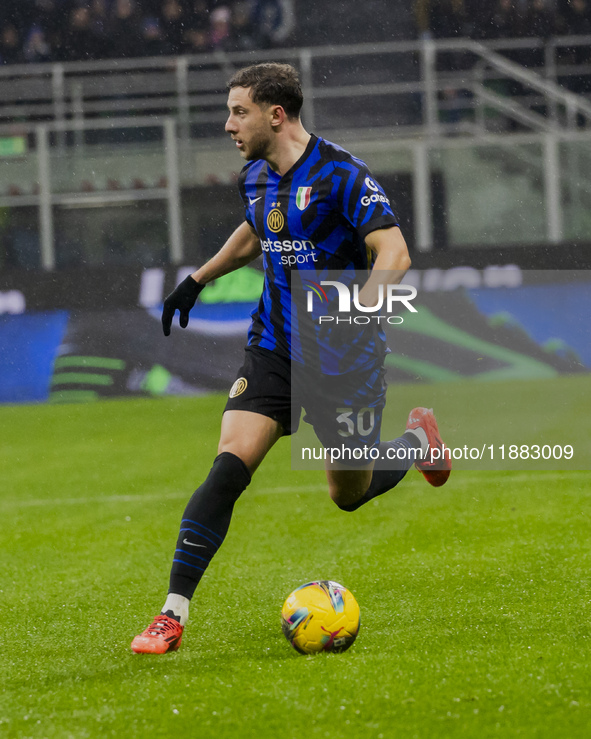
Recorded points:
182,298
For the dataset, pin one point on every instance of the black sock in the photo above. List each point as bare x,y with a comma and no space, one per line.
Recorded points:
205,522
387,473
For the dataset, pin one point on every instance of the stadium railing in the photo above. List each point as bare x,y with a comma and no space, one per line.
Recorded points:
422,91
192,88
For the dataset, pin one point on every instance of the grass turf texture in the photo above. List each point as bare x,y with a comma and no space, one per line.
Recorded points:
474,598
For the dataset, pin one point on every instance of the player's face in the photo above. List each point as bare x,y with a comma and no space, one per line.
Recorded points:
248,124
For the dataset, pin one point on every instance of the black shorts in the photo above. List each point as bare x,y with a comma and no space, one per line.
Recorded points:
263,386
343,409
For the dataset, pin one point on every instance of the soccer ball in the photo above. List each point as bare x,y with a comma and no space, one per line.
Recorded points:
320,616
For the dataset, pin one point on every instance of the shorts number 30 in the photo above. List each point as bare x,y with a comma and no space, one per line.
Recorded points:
364,420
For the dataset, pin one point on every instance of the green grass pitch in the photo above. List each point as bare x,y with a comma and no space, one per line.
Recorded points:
475,598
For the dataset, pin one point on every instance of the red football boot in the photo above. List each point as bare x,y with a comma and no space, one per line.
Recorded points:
163,635
436,472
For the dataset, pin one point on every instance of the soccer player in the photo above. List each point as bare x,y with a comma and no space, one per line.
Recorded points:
309,205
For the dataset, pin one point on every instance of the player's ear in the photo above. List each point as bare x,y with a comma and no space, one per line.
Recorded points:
278,115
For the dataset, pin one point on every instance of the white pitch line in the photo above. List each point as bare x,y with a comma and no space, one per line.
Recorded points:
140,498
462,479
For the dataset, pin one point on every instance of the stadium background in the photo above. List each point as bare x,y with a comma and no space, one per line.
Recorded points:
115,180
116,172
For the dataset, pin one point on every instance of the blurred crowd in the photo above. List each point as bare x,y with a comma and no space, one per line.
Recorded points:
78,30
497,19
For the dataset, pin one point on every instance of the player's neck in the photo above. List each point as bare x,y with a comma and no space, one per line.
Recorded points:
289,147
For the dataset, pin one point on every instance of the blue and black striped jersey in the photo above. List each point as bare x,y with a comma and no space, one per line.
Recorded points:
314,217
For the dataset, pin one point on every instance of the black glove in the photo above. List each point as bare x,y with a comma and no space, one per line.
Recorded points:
183,298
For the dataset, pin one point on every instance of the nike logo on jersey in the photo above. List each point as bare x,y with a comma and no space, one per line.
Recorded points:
252,201
190,543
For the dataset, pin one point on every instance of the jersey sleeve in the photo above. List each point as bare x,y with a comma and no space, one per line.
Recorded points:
360,199
244,196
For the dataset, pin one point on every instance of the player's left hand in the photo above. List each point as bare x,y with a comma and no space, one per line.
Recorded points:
182,298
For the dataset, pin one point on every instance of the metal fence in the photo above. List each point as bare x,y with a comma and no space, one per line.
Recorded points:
409,78
396,96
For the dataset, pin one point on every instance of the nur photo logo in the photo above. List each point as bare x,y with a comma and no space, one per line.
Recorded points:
388,297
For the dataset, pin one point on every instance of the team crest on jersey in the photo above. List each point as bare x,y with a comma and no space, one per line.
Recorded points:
303,197
275,220
238,387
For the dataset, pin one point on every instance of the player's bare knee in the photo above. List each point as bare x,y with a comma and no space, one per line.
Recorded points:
248,436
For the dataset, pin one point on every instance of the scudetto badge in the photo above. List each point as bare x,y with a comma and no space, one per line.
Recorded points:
275,220
238,387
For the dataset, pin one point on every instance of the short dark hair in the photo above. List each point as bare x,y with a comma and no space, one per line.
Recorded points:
272,84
